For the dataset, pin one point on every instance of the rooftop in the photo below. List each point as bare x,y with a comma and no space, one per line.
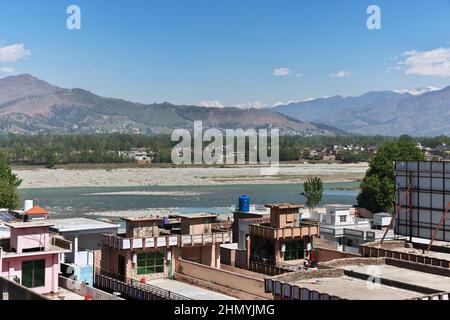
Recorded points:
196,215
403,247
337,205
142,219
52,249
348,279
413,277
36,210
355,289
79,224
382,214
30,224
284,206
188,290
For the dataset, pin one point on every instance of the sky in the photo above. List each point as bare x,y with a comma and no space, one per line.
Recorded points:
228,52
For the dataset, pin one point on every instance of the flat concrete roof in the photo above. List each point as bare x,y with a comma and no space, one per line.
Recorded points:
358,227
383,214
196,215
187,290
64,294
355,289
51,250
337,205
284,206
430,254
417,278
143,219
30,224
80,224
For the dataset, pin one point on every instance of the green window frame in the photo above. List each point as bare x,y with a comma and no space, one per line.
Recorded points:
150,263
295,250
33,273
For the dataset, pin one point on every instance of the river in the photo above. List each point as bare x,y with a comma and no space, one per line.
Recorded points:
120,201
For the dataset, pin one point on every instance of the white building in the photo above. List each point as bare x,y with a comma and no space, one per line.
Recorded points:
381,220
139,155
340,224
85,236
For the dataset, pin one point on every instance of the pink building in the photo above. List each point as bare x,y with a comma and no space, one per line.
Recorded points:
30,257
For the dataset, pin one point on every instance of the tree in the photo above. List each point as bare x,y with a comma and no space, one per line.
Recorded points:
313,191
9,183
378,187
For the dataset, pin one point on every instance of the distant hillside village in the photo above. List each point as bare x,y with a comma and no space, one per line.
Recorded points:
358,153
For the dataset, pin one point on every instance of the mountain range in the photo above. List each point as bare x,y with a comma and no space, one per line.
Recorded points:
29,105
418,112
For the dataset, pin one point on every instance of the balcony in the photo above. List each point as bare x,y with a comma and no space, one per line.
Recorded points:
207,238
117,242
303,230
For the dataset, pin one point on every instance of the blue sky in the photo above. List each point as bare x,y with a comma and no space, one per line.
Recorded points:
236,52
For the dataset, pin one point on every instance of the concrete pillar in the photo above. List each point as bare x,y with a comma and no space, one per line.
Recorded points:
212,256
278,253
217,256
55,273
11,271
248,246
75,249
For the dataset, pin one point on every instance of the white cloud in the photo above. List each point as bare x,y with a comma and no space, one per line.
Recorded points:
250,105
341,74
6,70
13,52
428,63
211,104
281,72
299,75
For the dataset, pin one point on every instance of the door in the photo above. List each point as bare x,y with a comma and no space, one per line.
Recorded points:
121,268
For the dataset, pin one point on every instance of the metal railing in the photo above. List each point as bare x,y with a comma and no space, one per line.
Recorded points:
133,289
169,295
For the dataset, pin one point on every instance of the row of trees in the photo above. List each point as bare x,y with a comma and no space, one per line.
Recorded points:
65,149
104,148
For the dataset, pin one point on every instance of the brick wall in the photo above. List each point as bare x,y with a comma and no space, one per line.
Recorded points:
232,280
16,291
325,255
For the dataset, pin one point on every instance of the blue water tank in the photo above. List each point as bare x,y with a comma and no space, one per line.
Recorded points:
244,203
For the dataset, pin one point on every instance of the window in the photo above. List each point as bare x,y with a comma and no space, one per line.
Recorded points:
150,262
33,273
289,218
342,218
294,250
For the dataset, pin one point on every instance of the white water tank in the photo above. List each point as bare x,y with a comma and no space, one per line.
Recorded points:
28,205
